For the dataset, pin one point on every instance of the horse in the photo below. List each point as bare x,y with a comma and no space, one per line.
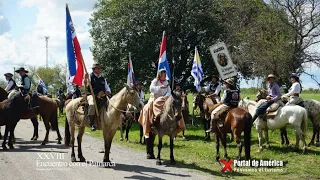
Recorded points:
48,112
236,121
167,125
203,103
184,110
130,115
290,114
62,98
10,111
313,109
110,118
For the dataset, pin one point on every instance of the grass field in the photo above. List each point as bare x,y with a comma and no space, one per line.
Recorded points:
199,154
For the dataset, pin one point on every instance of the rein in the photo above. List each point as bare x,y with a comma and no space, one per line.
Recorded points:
118,108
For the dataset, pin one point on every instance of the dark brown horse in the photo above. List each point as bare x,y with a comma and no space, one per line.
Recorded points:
47,110
236,121
203,103
10,112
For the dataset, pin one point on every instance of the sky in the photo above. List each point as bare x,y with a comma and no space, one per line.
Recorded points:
24,23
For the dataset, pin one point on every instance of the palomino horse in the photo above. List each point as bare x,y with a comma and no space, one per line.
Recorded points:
47,110
167,125
203,103
237,120
10,111
289,114
313,109
110,120
130,115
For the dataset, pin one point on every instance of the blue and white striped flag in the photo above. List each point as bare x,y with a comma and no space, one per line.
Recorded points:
197,71
44,87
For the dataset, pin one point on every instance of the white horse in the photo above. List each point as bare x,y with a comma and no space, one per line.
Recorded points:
291,114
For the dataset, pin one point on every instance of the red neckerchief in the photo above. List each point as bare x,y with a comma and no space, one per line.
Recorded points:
162,81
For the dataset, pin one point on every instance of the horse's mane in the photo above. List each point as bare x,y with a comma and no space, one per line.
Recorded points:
3,94
9,102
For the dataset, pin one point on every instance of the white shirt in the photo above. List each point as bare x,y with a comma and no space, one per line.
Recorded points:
10,84
294,89
218,89
156,91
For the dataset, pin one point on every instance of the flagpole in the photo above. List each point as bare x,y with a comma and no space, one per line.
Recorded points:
85,68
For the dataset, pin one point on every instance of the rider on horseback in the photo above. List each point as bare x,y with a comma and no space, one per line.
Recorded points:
11,83
213,89
40,90
25,82
274,94
292,97
99,84
230,99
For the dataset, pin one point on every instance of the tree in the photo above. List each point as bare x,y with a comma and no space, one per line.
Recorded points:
122,26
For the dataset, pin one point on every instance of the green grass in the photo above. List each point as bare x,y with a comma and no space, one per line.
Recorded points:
198,154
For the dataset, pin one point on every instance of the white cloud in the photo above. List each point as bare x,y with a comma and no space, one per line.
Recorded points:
50,21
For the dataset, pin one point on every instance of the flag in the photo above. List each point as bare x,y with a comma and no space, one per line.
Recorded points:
69,83
197,71
75,63
44,87
130,79
163,61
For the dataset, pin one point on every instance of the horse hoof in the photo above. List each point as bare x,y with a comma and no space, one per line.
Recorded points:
121,139
150,156
159,162
11,146
59,142
43,143
4,148
73,159
82,159
172,162
184,139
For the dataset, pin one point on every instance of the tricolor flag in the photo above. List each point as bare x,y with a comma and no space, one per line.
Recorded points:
44,87
197,71
75,65
163,61
130,79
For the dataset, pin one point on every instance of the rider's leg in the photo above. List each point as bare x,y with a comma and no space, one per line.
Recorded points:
213,118
91,112
261,110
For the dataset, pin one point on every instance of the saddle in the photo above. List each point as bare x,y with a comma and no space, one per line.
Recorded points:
221,115
272,110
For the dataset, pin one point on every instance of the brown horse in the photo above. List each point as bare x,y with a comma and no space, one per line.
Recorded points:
203,103
236,121
48,111
10,111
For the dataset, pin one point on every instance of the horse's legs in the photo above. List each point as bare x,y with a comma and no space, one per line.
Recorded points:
285,134
237,136
172,161
141,134
224,143
216,136
159,150
301,136
79,138
129,125
0,133
4,147
35,128
122,127
314,127
59,136
282,136
266,136
260,139
108,136
72,131
206,125
46,124
11,138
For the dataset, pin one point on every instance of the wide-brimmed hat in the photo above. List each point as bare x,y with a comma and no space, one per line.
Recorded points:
96,65
21,69
8,75
271,76
294,75
229,81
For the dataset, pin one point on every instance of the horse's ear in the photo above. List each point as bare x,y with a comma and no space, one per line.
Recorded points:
260,90
127,86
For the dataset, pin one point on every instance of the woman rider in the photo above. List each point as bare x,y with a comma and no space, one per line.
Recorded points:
295,90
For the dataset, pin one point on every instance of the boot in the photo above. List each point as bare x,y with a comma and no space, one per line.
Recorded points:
149,148
211,126
91,118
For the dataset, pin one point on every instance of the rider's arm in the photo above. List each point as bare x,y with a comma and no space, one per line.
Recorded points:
10,84
168,91
153,87
26,83
276,93
218,89
294,88
224,95
107,87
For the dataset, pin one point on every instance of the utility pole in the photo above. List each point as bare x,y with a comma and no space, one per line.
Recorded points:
47,40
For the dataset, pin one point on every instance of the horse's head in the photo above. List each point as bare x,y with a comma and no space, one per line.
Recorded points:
262,94
176,106
198,100
132,97
243,103
23,103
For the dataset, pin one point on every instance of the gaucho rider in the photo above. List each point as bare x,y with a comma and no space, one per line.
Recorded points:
25,82
230,99
159,93
11,83
274,94
213,89
99,84
295,90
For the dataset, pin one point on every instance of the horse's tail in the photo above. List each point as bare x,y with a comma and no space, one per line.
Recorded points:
66,133
54,120
247,134
304,122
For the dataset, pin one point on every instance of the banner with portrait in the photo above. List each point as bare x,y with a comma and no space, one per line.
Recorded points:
223,60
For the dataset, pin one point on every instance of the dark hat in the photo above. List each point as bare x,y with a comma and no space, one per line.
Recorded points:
8,74
96,65
21,69
294,75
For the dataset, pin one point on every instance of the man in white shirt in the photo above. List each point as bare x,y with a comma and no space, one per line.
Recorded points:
11,83
295,90
213,89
